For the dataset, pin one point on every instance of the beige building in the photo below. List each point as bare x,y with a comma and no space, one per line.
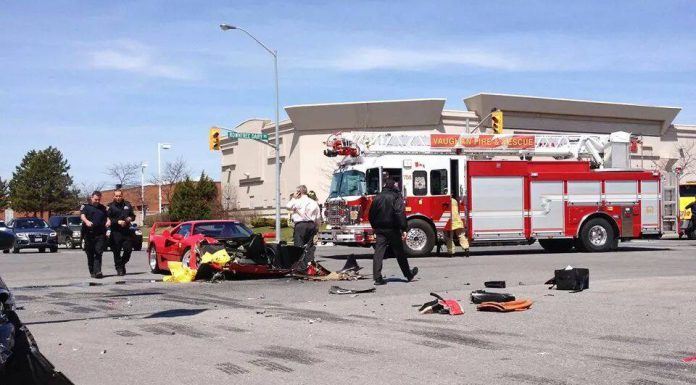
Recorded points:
248,181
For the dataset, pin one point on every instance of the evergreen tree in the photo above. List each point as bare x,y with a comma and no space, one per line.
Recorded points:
4,194
41,183
193,200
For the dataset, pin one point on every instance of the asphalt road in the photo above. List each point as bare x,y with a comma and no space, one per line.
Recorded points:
633,326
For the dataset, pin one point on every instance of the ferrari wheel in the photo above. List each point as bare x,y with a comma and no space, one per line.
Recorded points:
186,260
153,261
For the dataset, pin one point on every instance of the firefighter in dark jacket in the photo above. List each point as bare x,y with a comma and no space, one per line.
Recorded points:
121,215
94,224
388,220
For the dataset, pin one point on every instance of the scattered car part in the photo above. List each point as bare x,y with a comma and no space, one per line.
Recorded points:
480,296
504,307
340,290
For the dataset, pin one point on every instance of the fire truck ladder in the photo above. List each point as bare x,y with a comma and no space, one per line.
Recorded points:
602,150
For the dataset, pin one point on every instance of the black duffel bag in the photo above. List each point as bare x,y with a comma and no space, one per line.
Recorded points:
575,279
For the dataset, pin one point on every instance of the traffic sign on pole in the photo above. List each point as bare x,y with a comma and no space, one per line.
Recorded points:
247,135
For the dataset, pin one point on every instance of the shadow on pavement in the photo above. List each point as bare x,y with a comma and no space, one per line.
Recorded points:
483,253
172,313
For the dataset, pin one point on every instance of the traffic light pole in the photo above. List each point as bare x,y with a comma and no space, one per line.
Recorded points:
484,120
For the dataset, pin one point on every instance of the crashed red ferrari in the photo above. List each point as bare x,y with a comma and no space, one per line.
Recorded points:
187,242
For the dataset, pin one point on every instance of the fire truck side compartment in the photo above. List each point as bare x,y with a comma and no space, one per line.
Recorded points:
559,199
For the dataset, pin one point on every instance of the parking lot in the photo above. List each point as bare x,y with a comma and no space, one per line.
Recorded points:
633,326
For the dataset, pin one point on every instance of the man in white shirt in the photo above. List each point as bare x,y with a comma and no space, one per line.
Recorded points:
305,215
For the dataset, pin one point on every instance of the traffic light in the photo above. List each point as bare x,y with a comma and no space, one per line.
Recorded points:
214,139
497,121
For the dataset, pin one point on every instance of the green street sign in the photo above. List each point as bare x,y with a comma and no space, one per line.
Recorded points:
247,135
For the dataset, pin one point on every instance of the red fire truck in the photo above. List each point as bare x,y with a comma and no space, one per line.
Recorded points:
585,196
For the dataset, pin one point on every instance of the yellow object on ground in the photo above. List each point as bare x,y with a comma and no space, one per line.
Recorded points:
179,273
220,257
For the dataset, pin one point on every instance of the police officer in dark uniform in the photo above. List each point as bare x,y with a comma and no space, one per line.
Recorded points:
94,224
120,213
388,219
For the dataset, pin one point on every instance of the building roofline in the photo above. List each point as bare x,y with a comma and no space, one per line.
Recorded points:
569,100
366,102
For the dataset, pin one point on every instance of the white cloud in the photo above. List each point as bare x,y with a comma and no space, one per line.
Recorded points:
374,58
518,53
129,56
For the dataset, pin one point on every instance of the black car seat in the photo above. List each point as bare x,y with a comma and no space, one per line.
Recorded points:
256,250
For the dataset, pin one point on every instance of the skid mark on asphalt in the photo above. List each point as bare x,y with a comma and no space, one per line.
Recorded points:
668,370
53,312
169,328
292,314
367,317
643,381
156,330
75,308
58,294
127,333
82,309
104,307
529,379
230,368
497,333
233,329
424,321
23,297
454,336
68,304
208,300
433,344
285,354
629,339
349,349
271,366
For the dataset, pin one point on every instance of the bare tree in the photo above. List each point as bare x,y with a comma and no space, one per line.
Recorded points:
126,174
173,172
685,154
86,188
229,197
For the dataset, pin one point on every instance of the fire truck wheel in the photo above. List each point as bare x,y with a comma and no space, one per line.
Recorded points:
597,235
556,245
420,238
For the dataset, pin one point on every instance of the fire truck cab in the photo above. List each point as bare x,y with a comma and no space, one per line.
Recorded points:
563,204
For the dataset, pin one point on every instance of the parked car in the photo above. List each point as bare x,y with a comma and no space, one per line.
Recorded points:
180,243
33,233
7,240
68,228
136,234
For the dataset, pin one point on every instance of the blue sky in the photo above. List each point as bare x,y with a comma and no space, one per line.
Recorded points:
105,81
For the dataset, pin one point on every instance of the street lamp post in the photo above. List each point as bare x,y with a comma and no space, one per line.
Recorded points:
160,147
143,165
274,53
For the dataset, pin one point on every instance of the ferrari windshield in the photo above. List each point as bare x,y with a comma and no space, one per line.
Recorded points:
30,223
222,230
347,183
